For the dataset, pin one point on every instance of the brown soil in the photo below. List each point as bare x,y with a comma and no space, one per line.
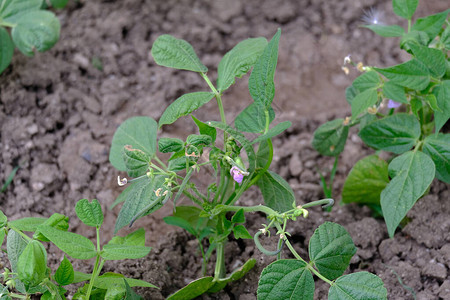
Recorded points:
58,114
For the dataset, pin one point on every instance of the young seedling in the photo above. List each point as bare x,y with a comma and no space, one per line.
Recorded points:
29,274
421,87
236,162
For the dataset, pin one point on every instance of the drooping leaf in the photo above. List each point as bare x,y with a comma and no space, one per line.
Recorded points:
368,80
184,106
358,286
28,224
235,275
130,294
180,222
6,49
253,118
397,133
412,74
193,289
276,192
35,30
386,30
405,8
411,173
286,279
363,101
64,275
90,213
260,83
138,196
434,59
118,252
432,24
138,132
395,92
330,138
176,53
11,10
205,129
74,245
136,161
238,61
438,148
32,264
274,131
330,249
366,180
198,140
442,93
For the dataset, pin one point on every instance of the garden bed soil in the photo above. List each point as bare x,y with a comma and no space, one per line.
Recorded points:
58,112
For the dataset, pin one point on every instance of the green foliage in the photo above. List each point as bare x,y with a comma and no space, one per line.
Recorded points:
276,192
329,139
90,213
361,285
31,28
421,86
32,264
253,118
64,275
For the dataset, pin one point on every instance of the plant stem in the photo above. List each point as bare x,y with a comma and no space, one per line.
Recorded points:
13,295
266,112
160,162
26,237
409,25
219,271
97,267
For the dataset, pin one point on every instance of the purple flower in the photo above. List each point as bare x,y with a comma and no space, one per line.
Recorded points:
393,104
237,174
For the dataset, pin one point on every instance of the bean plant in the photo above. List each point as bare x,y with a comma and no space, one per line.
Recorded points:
32,28
402,110
233,157
29,273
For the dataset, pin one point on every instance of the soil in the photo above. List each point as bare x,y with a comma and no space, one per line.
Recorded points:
58,113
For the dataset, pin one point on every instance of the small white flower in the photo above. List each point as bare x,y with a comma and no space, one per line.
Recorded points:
121,182
347,59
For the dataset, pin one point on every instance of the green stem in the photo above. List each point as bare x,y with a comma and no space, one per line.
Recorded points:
97,267
266,112
26,237
160,162
220,187
13,295
325,202
219,271
409,25
193,198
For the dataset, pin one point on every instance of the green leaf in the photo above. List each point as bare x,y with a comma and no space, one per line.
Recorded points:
363,101
442,93
32,264
260,83
397,133
4,293
445,38
386,30
235,275
11,10
171,52
138,196
136,238
240,232
90,213
193,289
438,148
358,286
263,154
241,139
57,221
432,102
286,279
276,192
368,80
274,131
64,275
118,252
74,245
253,118
418,37
350,94
434,59
80,277
405,8
166,145
14,247
184,105
432,25
3,220
330,249
36,30
366,180
108,279
416,105
178,164
180,222
136,161
138,132
238,61
130,294
6,49
205,129
59,3
329,139
412,74
198,140
238,217
2,236
27,224
395,92
411,173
